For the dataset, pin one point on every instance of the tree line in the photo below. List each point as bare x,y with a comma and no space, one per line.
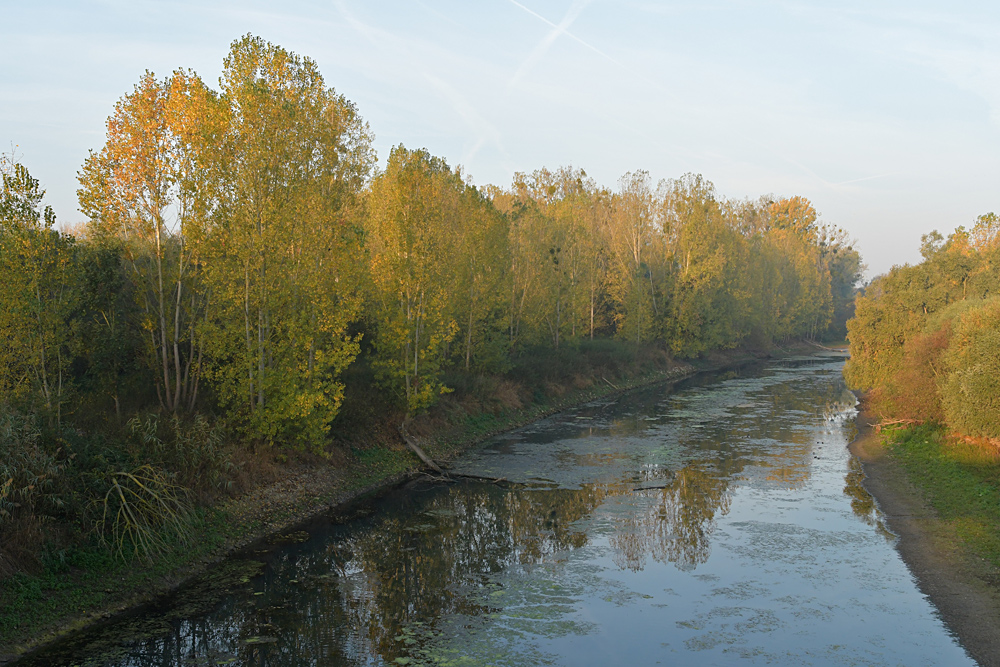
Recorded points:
925,341
242,251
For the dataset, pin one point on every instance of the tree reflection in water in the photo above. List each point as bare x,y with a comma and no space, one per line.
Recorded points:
862,503
435,561
676,526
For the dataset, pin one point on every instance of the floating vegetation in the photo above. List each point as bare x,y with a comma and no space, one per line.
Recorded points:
420,528
705,527
297,537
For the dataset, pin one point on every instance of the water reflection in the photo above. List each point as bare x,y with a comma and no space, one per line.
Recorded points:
676,525
862,503
692,526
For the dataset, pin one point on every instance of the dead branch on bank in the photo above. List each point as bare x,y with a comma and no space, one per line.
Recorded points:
895,422
411,442
822,347
481,478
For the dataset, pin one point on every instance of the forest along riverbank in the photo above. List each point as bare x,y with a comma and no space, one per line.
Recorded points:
73,599
721,520
962,587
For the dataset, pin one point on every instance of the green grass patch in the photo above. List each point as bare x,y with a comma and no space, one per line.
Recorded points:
87,578
961,482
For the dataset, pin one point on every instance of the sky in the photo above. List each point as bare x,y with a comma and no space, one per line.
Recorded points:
886,115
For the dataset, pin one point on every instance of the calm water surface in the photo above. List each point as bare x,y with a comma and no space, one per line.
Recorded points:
719,522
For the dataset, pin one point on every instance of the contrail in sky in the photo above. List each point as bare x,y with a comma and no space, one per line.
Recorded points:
866,178
561,29
547,41
811,172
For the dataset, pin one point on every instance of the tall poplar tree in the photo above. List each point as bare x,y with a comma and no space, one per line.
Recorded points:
38,281
281,245
632,243
142,189
481,278
415,229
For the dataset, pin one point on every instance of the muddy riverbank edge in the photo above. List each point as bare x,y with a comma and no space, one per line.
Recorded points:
955,581
302,496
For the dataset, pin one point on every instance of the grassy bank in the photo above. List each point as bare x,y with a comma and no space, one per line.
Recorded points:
83,583
960,480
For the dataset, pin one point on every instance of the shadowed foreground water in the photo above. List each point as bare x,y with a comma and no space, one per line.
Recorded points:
722,521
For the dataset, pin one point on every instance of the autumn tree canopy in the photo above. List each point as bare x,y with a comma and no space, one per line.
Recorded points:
242,251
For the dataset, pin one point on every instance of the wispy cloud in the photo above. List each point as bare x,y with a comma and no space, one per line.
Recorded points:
812,176
959,49
562,29
441,15
483,130
375,36
975,71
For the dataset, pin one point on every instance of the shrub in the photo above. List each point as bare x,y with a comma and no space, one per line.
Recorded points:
971,389
195,449
913,391
27,471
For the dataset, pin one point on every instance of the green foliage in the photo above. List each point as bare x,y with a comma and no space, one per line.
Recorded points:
38,295
631,248
240,256
924,338
112,360
845,267
20,198
706,301
140,192
428,270
913,392
28,472
971,390
281,248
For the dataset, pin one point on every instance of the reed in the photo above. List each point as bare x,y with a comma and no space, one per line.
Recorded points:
143,511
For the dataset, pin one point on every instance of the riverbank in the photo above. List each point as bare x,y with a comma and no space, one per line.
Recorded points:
962,584
55,605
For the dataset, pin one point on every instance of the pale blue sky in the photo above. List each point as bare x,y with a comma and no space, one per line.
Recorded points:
885,115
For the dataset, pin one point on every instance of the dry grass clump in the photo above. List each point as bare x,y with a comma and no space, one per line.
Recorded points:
508,395
28,474
556,389
196,450
142,511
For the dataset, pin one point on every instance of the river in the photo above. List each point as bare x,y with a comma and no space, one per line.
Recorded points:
718,521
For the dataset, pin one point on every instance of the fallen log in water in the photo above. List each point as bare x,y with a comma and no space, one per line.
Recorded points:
411,442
